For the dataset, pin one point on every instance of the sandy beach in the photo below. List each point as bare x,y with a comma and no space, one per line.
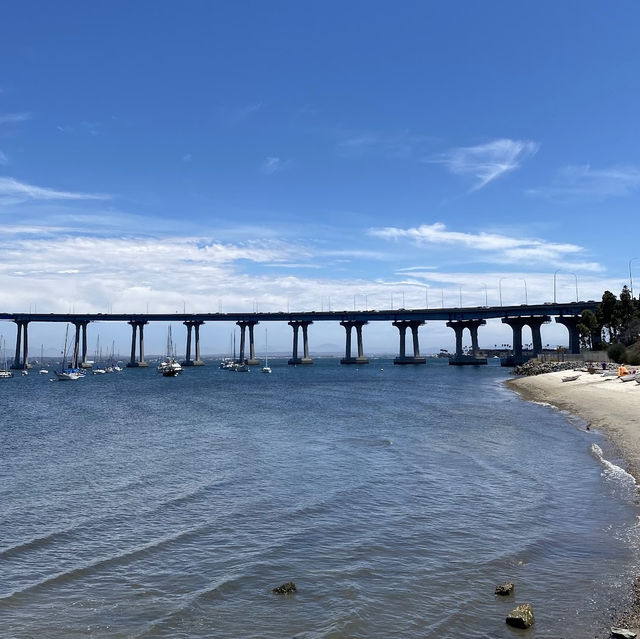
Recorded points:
604,403
609,405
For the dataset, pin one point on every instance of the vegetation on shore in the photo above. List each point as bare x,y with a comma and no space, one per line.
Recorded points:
615,326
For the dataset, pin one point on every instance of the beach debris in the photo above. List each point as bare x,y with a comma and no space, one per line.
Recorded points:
521,616
505,589
285,589
623,633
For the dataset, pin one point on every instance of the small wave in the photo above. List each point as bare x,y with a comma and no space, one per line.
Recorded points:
611,471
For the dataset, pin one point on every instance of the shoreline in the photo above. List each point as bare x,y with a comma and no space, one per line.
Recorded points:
605,404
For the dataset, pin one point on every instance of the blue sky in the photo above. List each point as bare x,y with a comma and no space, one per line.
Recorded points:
242,155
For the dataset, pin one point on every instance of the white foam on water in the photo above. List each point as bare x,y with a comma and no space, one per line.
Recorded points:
611,471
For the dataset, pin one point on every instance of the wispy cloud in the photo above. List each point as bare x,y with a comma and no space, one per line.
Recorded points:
16,191
402,144
503,248
273,165
4,160
187,157
14,118
583,180
487,162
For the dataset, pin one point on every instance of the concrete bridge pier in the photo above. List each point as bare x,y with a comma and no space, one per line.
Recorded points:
571,322
140,362
348,358
403,358
535,324
79,356
251,360
296,325
21,359
516,323
191,325
460,359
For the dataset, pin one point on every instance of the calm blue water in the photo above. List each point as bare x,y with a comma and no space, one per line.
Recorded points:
133,505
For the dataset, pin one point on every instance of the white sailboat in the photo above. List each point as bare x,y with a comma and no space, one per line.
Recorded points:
266,368
43,370
67,374
169,367
5,373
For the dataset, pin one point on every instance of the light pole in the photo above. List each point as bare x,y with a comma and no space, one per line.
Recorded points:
526,295
576,279
630,276
486,295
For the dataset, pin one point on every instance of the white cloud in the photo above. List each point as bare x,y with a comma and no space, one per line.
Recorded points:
272,165
582,180
14,118
503,248
4,160
20,191
403,144
487,162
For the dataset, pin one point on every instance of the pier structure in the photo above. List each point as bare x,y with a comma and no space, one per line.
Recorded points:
193,326
458,318
534,323
251,360
79,355
137,325
571,323
296,325
348,358
21,359
403,358
460,358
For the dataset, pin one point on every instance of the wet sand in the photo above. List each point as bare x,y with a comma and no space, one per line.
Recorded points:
606,404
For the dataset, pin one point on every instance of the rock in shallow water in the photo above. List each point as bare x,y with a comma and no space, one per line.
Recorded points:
505,589
623,633
521,616
285,589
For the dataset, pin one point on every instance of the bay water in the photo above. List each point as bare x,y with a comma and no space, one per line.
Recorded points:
396,498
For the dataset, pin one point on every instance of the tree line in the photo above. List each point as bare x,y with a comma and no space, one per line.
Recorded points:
615,326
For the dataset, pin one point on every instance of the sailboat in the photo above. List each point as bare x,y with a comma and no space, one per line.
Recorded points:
170,367
67,374
266,368
43,370
5,373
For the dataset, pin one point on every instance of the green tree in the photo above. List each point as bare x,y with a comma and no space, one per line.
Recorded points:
608,315
589,329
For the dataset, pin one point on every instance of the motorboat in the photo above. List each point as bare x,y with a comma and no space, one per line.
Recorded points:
169,366
69,374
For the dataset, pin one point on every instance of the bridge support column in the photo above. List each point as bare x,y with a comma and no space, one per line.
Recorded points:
402,326
79,358
295,325
251,360
460,359
516,323
348,358
21,359
571,322
535,324
135,326
191,325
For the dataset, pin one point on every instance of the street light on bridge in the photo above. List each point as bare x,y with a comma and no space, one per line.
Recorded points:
526,295
576,279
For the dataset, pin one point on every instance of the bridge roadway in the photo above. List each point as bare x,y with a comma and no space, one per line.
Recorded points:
458,318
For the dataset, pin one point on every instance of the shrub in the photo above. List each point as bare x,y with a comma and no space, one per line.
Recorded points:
617,352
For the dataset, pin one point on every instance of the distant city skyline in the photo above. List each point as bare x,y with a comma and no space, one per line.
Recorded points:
291,156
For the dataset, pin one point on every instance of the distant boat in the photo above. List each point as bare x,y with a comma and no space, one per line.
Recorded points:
169,366
43,370
570,378
67,374
266,368
5,373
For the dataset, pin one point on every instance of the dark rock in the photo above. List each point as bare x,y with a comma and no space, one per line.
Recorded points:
285,589
505,589
623,633
521,616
